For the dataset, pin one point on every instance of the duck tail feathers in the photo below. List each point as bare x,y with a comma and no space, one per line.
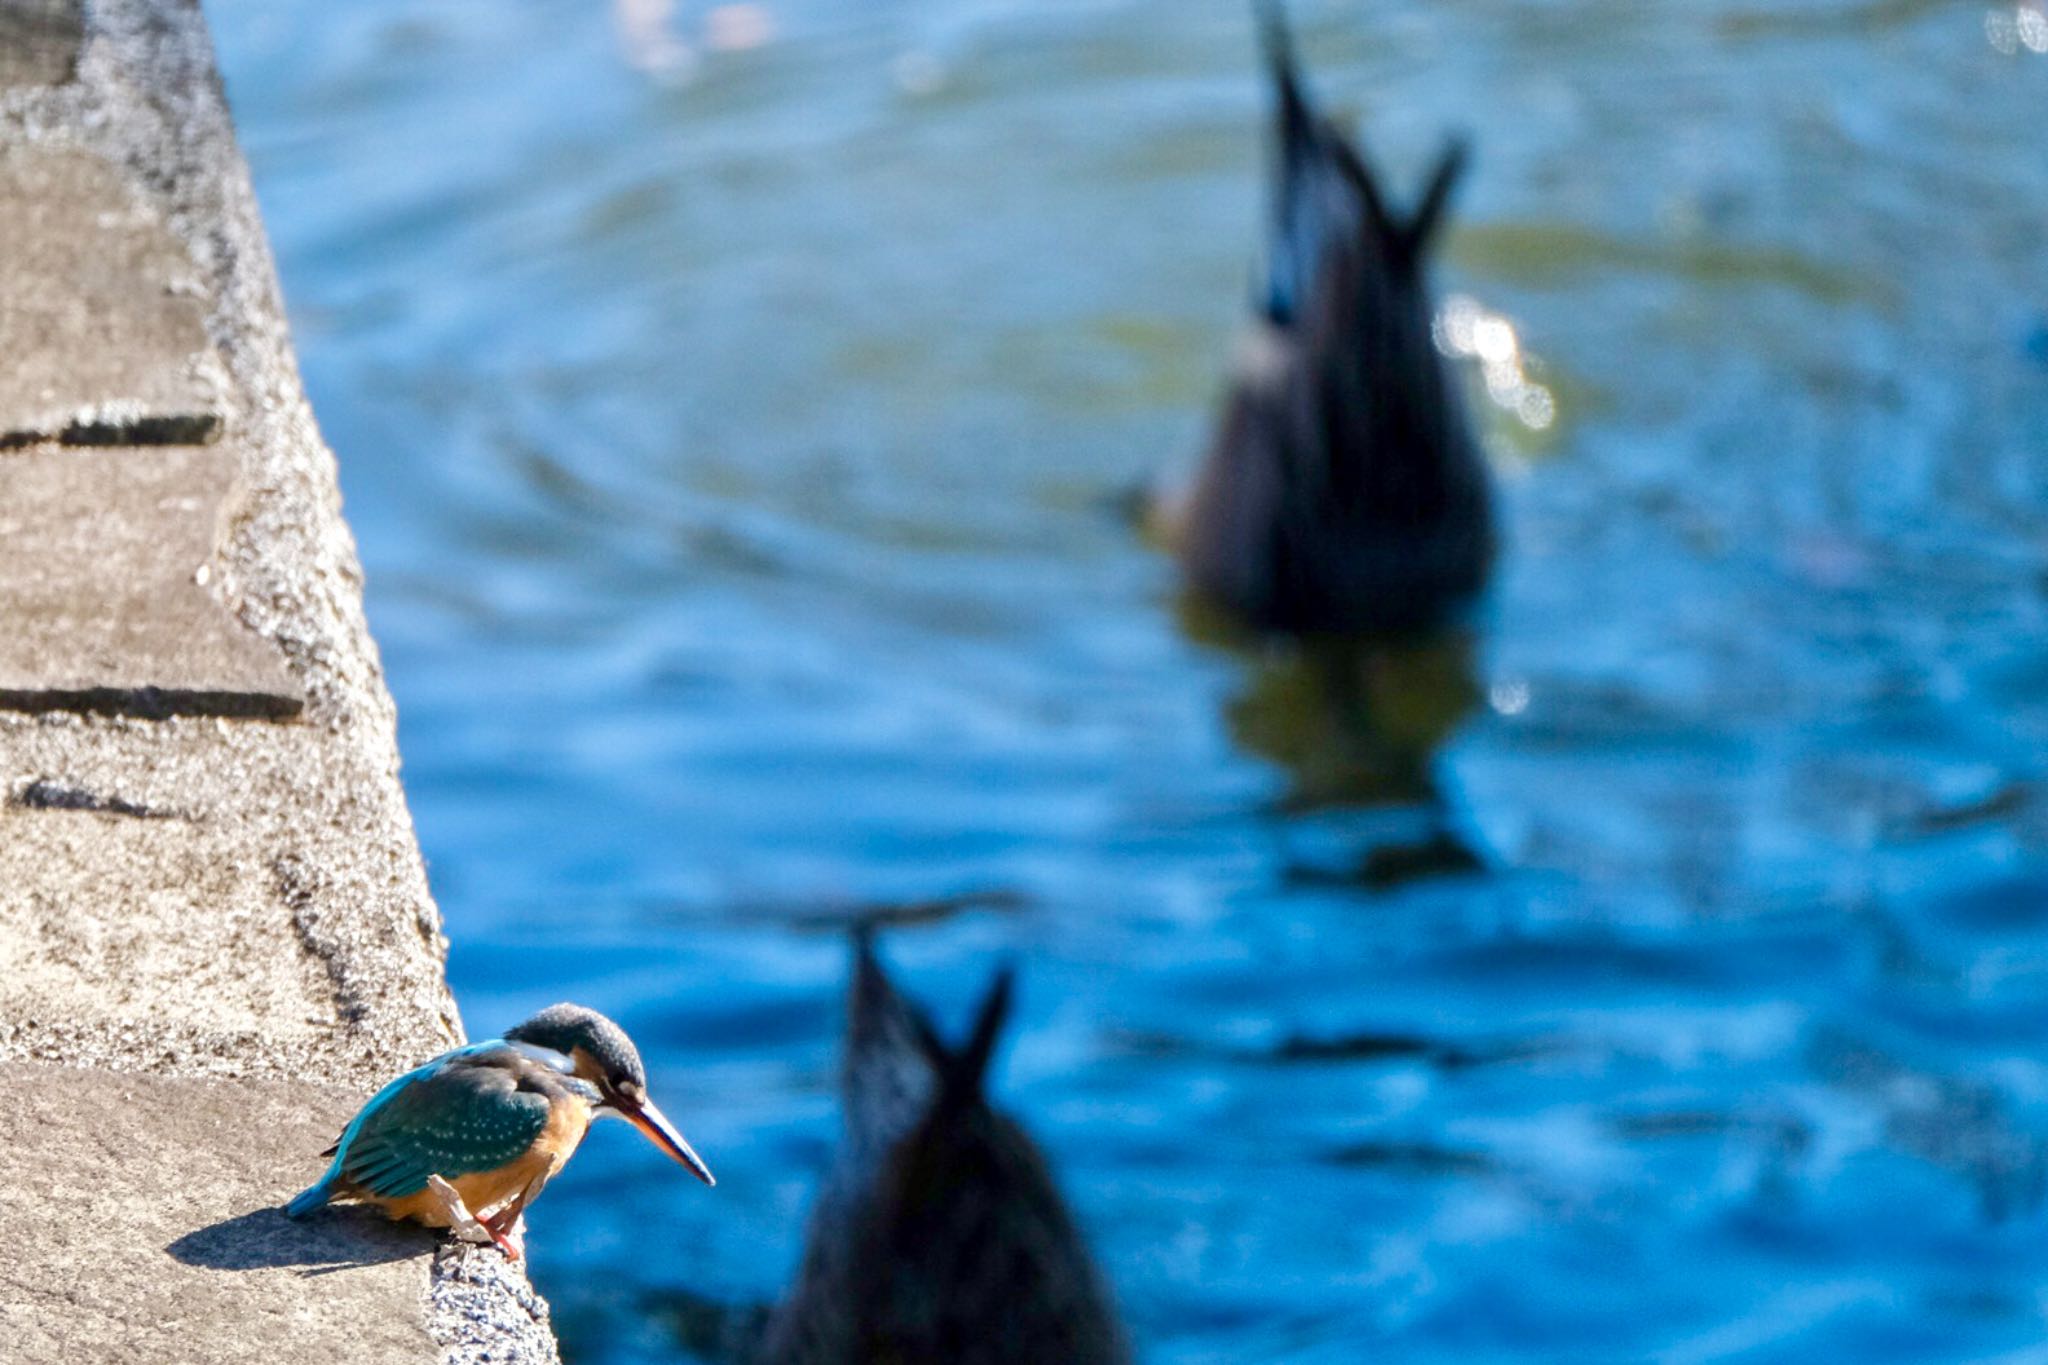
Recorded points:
1428,218
970,1064
1297,117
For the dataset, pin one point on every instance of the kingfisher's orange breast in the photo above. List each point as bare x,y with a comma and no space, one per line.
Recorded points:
483,1192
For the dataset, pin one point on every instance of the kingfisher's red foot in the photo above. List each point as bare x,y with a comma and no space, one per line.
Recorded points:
512,1241
508,1229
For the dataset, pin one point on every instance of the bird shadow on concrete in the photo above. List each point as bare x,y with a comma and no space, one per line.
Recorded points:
334,1239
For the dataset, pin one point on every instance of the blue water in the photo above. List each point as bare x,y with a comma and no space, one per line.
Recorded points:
730,433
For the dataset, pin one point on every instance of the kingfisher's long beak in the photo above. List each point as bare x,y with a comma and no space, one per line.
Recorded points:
663,1134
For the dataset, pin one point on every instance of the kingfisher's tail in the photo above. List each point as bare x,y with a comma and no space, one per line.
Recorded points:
314,1196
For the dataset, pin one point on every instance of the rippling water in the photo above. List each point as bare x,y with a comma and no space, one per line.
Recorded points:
729,410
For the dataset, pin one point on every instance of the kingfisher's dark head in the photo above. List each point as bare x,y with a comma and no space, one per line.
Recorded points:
600,1052
599,1049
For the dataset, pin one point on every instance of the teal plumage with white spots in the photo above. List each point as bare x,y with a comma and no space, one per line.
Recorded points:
472,1109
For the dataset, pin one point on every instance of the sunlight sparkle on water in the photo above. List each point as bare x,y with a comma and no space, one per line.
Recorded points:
647,41
2023,26
1467,330
738,28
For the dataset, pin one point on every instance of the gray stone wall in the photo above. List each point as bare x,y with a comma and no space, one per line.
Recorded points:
215,931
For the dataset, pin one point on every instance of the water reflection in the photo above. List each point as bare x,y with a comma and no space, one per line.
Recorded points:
1357,722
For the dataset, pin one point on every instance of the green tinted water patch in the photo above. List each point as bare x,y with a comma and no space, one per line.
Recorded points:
1870,17
1561,256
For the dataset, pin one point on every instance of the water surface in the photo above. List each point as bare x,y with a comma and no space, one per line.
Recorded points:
729,426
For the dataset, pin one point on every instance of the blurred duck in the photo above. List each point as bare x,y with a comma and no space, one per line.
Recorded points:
939,1235
468,1140
1343,493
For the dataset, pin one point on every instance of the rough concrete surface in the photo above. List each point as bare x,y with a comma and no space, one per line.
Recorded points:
215,932
39,40
101,588
196,1270
103,320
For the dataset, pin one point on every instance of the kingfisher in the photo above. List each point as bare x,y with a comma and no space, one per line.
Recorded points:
1342,493
468,1140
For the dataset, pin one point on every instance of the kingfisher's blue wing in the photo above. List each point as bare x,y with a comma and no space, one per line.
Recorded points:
469,1110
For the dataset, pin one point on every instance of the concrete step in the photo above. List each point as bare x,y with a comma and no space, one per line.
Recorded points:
216,937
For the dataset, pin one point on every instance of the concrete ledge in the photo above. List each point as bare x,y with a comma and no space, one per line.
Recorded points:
215,931
39,41
201,1267
104,325
102,588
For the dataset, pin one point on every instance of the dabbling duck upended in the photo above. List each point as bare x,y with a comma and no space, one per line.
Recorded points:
1342,492
941,1234
468,1140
